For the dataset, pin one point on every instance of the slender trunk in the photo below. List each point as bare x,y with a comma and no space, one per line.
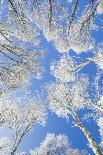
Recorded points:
16,146
50,18
91,141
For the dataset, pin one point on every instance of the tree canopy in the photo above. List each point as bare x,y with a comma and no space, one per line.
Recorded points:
72,28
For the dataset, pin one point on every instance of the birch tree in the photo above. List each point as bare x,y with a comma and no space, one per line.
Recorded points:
55,145
66,26
4,146
100,124
19,119
70,92
66,99
18,62
59,25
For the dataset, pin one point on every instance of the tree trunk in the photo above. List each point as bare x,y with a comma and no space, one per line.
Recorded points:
91,141
15,147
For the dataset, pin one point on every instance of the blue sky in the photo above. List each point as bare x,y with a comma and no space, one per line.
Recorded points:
55,124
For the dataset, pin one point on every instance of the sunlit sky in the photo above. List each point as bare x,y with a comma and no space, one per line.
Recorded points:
54,123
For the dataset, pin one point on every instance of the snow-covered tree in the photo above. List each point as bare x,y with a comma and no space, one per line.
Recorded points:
66,26
22,26
20,118
55,145
4,146
66,99
100,124
100,8
64,69
18,61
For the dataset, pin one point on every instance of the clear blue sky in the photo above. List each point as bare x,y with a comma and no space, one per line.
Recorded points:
54,124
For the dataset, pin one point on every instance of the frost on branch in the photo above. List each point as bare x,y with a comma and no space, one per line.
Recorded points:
100,124
80,39
6,32
4,146
100,103
55,145
21,66
58,37
52,23
9,111
100,8
18,61
26,115
20,117
98,59
64,69
67,97
23,28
